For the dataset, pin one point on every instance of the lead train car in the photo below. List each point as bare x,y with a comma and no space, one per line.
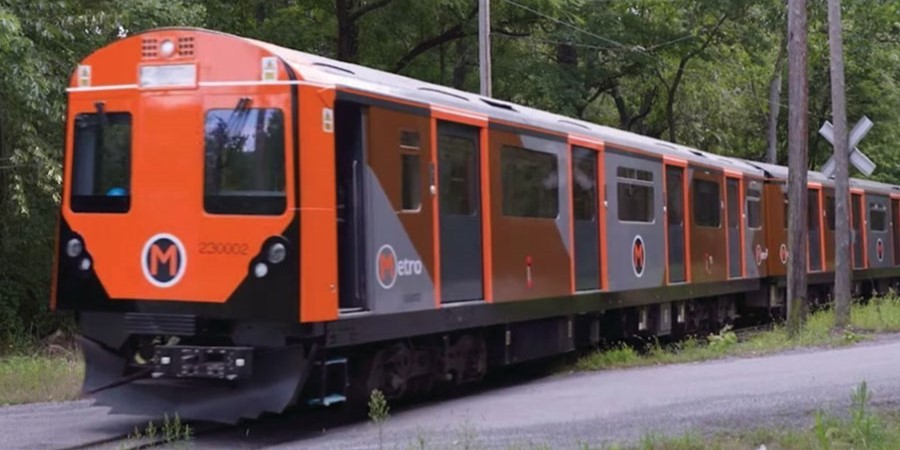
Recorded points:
246,227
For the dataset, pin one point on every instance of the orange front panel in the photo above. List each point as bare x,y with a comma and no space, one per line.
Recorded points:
167,192
318,231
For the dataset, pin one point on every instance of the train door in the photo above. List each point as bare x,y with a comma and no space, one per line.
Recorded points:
459,200
895,229
350,119
675,226
878,233
856,230
735,247
586,224
814,237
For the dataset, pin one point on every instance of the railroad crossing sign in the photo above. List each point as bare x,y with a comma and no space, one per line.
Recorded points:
857,158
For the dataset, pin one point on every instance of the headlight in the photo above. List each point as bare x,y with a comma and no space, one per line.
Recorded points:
260,270
74,247
277,253
85,264
167,48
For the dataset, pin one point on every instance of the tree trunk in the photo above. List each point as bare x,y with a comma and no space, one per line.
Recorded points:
461,69
775,104
347,32
842,172
798,146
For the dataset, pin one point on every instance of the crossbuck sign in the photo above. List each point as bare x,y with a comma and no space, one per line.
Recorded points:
857,158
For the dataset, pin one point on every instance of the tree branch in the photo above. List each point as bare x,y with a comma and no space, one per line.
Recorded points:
369,7
451,34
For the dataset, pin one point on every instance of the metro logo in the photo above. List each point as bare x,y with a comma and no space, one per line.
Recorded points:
163,260
169,257
388,268
637,256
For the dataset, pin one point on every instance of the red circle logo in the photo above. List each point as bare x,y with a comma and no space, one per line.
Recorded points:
637,256
386,266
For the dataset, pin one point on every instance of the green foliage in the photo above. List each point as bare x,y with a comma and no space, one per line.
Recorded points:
41,41
723,340
693,71
379,413
173,433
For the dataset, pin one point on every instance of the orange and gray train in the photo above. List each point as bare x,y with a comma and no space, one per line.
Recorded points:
246,227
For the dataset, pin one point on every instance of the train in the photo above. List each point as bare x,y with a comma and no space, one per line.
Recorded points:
246,228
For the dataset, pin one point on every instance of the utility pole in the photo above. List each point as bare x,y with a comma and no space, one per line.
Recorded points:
842,169
798,144
484,46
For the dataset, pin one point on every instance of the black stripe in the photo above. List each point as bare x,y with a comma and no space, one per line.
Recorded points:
295,129
423,111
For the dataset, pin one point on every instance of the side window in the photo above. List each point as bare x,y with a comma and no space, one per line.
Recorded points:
707,203
731,195
829,212
584,184
457,176
245,168
410,171
812,209
877,217
754,206
530,183
634,192
101,162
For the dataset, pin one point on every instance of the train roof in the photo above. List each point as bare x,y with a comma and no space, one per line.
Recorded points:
353,76
341,74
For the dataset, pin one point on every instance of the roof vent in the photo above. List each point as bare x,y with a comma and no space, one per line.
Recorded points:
438,91
186,46
333,67
576,124
497,104
149,48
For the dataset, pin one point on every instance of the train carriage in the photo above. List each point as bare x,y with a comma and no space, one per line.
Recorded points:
246,227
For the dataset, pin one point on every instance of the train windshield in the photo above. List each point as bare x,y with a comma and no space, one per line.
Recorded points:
244,168
101,162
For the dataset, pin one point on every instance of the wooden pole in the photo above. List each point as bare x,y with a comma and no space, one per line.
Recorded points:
484,46
798,143
842,169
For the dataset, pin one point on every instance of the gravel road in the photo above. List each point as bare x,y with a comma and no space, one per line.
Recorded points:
562,411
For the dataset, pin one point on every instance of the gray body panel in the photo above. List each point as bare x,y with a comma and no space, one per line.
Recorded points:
621,235
874,236
409,292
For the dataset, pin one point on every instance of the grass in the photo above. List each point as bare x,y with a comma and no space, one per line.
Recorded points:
40,377
878,315
860,428
173,433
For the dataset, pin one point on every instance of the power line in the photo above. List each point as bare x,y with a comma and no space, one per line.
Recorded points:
567,24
